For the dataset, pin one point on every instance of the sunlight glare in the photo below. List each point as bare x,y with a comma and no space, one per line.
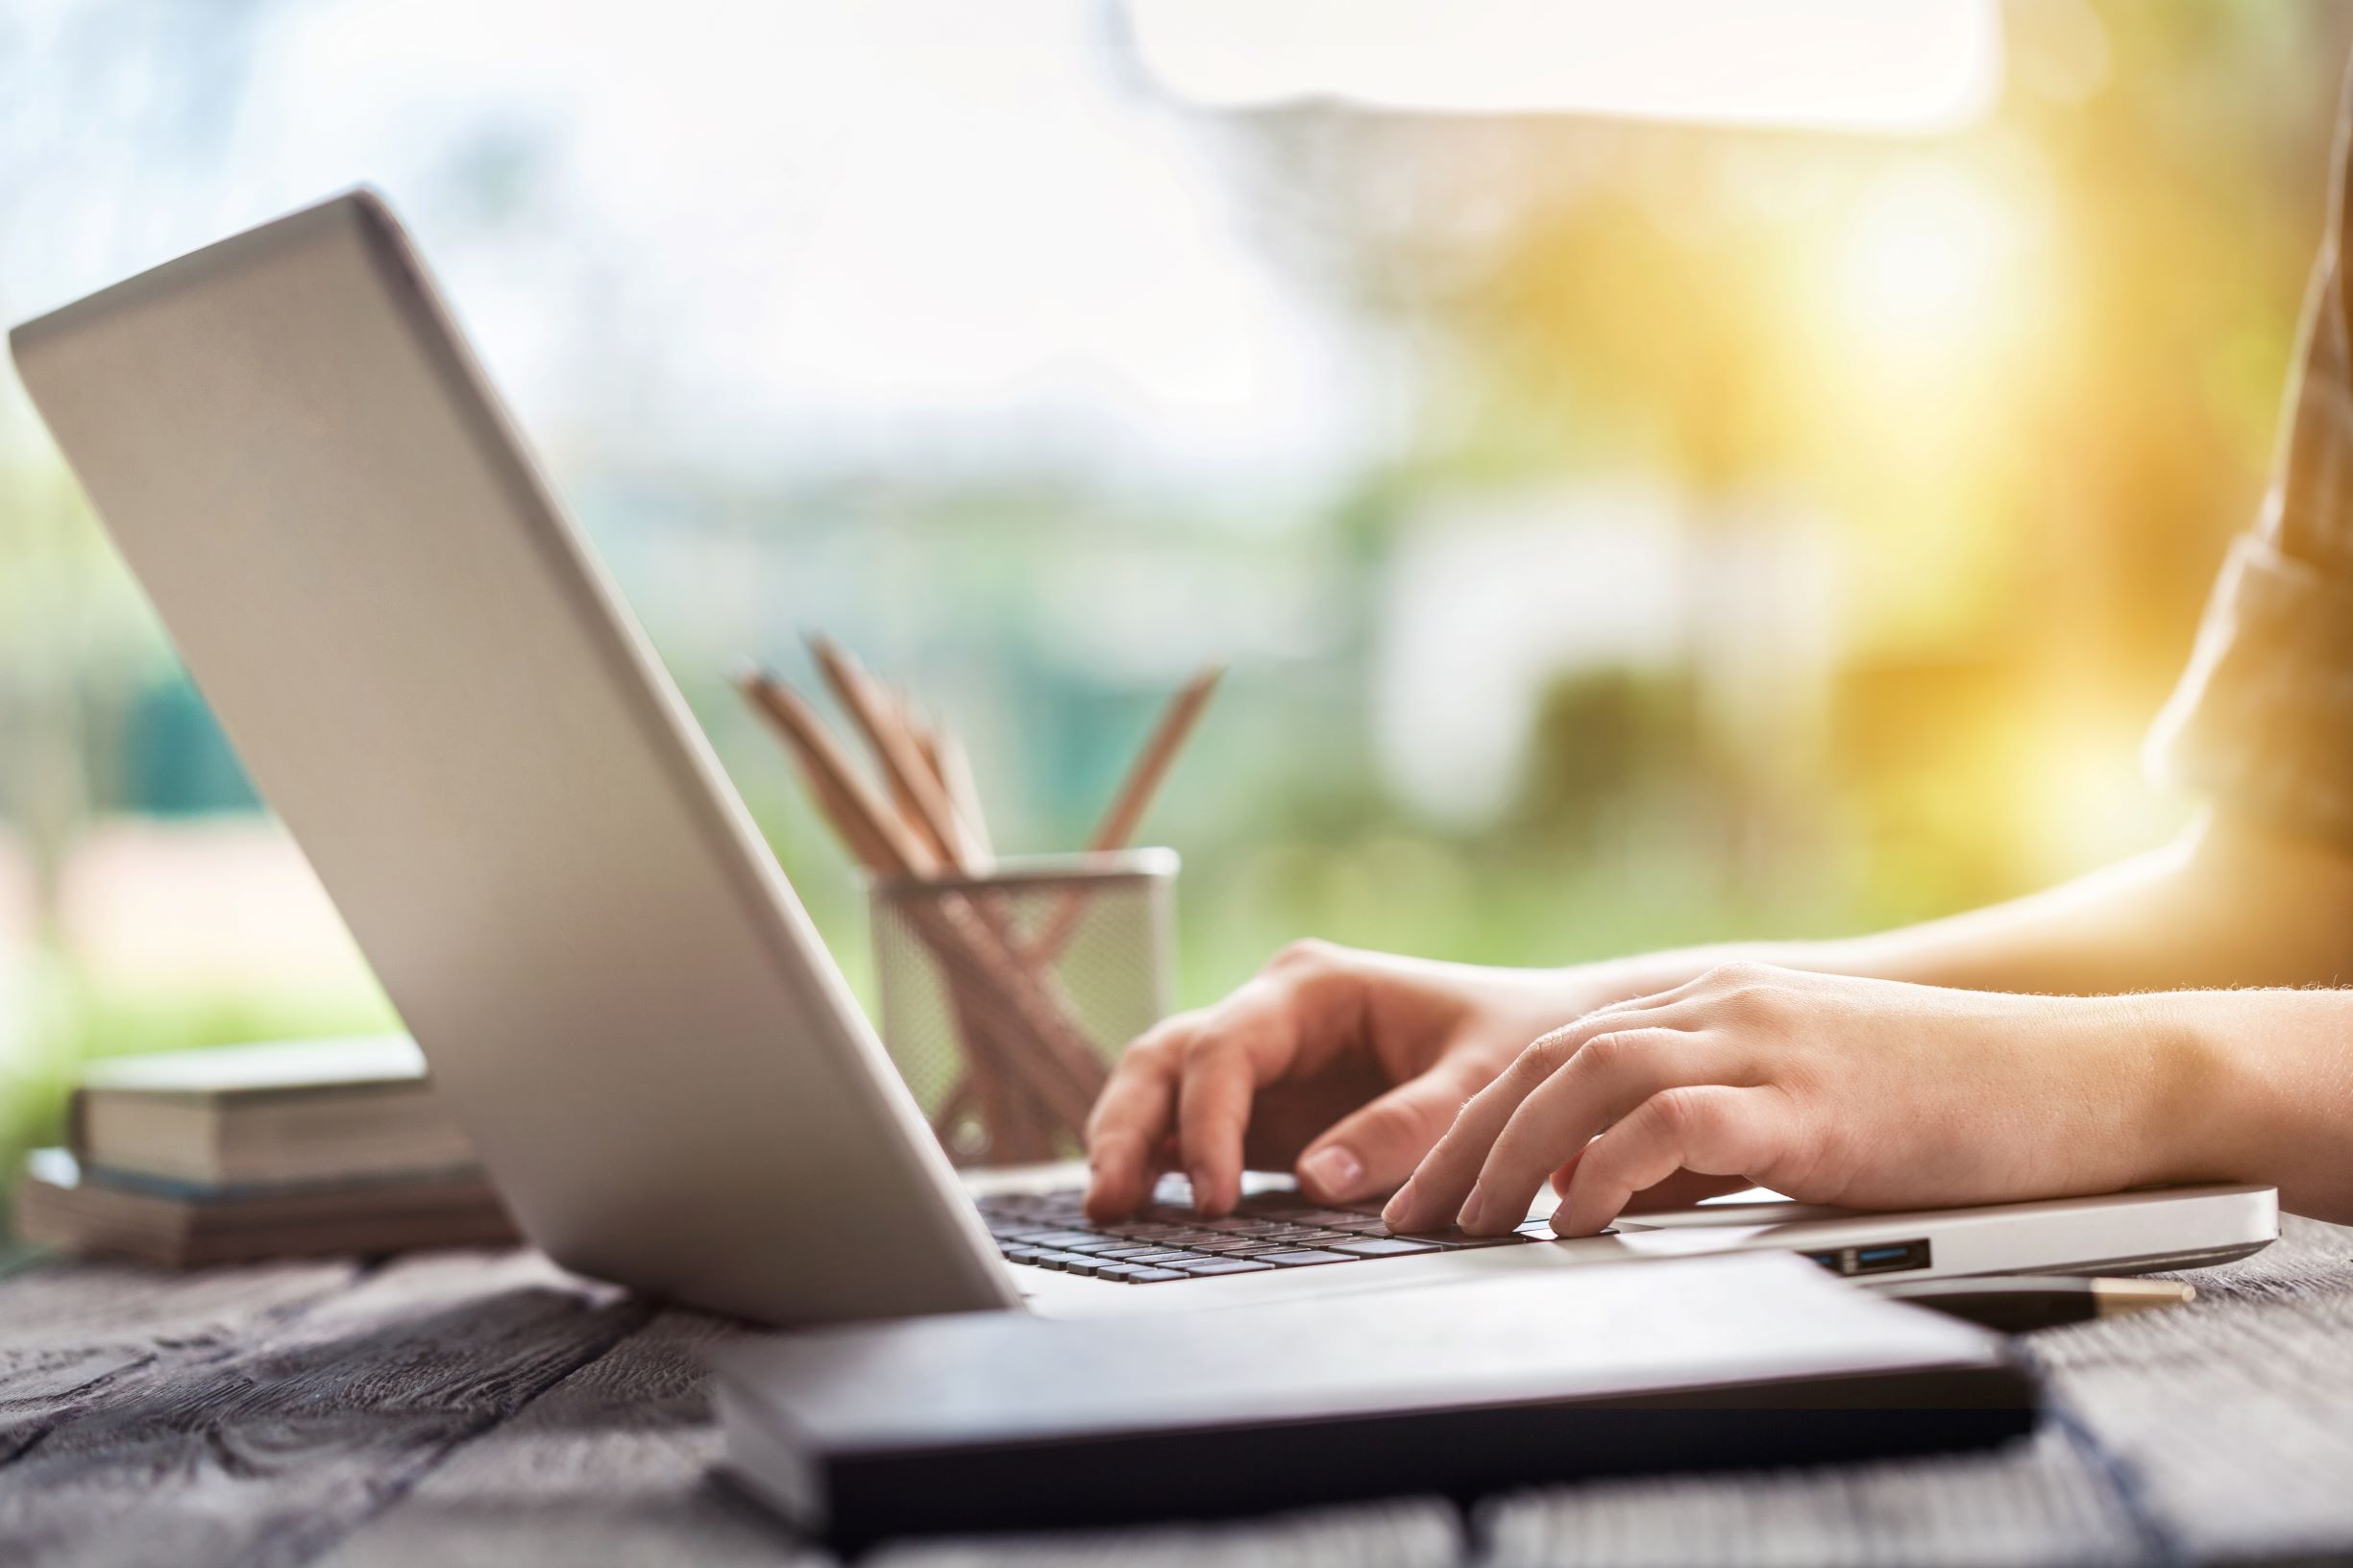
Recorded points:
1924,264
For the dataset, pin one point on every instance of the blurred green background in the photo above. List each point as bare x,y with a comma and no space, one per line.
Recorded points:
1620,532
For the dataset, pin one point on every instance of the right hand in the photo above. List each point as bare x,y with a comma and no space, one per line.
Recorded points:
1345,1065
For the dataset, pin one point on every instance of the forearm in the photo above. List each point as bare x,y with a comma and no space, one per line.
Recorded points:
2226,905
2256,1086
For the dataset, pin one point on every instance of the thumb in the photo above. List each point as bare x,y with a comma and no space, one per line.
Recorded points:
1373,1149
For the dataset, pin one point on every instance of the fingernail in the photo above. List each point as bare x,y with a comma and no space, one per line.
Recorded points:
1335,1169
1399,1206
1470,1209
1201,1187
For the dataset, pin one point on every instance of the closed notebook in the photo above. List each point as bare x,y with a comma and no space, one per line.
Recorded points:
60,1204
246,1115
1003,1420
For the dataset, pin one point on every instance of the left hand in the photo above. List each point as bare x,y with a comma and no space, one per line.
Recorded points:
1869,1094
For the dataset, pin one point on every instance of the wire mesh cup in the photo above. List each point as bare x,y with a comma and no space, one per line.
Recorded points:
1005,996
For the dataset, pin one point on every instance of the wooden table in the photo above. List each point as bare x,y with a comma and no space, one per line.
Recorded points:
464,1408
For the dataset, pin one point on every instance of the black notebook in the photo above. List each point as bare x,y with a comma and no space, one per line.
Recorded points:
1003,1420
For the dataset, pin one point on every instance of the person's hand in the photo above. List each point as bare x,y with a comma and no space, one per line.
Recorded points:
1869,1094
1349,1063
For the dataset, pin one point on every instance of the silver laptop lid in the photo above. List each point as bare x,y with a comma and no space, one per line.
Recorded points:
428,676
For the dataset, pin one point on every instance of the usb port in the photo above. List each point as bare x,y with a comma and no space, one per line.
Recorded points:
1887,1259
1890,1257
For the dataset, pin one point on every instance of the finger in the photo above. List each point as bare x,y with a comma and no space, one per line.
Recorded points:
1609,1076
1373,1149
1436,1193
1163,1161
1714,1129
1130,1119
1248,1039
1213,1096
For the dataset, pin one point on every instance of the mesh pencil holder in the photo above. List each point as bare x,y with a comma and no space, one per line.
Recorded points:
1005,996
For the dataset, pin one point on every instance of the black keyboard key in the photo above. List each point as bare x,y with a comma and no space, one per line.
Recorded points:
1167,1240
1153,1276
1384,1246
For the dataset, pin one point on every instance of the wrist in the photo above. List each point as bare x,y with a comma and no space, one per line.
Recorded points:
2200,1118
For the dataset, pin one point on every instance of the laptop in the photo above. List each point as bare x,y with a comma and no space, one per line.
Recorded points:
436,686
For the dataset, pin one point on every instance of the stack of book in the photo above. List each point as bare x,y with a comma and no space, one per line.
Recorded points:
294,1149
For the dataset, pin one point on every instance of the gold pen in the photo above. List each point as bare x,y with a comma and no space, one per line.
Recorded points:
2016,1303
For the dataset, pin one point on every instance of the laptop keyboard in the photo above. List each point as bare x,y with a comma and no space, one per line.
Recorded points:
1165,1240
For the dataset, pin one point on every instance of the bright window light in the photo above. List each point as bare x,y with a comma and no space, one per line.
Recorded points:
1916,65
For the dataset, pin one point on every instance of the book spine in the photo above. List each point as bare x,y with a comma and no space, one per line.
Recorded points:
77,1119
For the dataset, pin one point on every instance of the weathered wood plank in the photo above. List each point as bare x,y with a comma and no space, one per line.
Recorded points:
2232,1418
73,1334
2039,1502
478,1409
612,1465
276,1448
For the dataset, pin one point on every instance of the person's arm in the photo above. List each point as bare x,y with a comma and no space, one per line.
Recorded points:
1348,1066
1879,1094
2066,1042
2228,904
1738,1065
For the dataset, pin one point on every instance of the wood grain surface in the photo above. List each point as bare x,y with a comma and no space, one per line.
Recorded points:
462,1409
